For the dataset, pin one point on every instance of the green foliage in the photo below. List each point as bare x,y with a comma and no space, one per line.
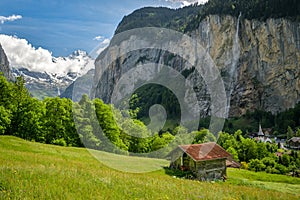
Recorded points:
159,17
256,165
203,136
102,127
269,162
290,133
151,94
60,142
251,9
234,153
4,120
258,156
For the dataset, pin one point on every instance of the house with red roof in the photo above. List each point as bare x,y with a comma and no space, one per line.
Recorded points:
207,161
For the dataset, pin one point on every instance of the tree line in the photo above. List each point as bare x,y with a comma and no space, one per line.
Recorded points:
251,9
96,125
259,156
59,121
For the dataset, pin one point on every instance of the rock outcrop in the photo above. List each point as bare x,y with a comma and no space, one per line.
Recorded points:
258,61
4,64
267,72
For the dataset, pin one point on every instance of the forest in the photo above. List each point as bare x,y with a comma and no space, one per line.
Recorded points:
187,19
250,9
95,125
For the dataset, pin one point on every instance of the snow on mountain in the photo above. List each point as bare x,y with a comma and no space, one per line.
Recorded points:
44,74
46,84
21,54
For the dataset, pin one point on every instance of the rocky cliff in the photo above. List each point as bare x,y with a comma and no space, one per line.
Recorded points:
4,65
258,61
266,75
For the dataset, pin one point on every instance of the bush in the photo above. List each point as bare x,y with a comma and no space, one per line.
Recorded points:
60,142
269,162
281,168
256,165
244,165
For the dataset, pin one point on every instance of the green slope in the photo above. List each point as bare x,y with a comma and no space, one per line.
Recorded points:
37,171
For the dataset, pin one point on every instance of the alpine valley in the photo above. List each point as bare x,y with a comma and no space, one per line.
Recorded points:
42,82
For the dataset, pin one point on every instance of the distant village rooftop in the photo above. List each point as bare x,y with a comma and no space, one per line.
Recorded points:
294,143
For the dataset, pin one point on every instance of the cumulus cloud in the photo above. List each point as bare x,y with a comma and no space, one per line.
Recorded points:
20,53
11,18
188,2
102,44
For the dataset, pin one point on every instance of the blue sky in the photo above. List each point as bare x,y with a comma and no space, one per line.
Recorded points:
64,26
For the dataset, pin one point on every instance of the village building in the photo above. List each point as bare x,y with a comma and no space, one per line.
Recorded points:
261,137
207,161
294,143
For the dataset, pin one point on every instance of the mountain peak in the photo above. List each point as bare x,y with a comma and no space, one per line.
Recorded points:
78,53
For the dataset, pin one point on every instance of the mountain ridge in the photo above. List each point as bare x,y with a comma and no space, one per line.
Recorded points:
42,84
266,75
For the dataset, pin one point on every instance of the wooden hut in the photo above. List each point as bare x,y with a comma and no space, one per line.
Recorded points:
207,161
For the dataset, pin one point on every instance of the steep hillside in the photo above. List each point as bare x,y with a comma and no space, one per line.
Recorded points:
159,17
258,57
4,65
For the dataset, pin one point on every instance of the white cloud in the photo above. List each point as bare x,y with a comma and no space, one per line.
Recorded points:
98,38
102,44
188,2
11,18
22,54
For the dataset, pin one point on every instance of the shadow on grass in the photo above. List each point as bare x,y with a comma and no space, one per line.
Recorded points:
179,173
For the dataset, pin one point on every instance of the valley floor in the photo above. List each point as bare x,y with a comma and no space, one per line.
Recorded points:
36,171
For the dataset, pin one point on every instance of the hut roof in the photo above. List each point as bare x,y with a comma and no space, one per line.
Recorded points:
206,151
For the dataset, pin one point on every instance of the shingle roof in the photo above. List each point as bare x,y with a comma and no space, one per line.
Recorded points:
206,151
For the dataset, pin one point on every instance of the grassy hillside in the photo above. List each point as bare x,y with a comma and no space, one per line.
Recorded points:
36,171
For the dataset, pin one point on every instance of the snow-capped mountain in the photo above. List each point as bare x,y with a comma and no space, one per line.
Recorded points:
43,84
44,74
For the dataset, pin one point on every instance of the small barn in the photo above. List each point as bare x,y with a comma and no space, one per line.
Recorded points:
207,161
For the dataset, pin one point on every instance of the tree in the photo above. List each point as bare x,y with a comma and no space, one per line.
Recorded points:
285,160
226,140
4,120
290,133
58,121
234,153
269,162
298,132
262,150
247,150
112,132
256,165
84,126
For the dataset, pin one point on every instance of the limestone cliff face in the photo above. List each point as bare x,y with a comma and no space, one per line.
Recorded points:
267,72
258,61
4,64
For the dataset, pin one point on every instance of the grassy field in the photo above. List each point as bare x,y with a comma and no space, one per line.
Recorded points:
36,171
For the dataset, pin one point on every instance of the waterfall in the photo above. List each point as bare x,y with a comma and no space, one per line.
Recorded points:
208,36
58,91
233,69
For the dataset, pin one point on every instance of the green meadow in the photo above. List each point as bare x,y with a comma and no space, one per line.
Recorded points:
31,170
